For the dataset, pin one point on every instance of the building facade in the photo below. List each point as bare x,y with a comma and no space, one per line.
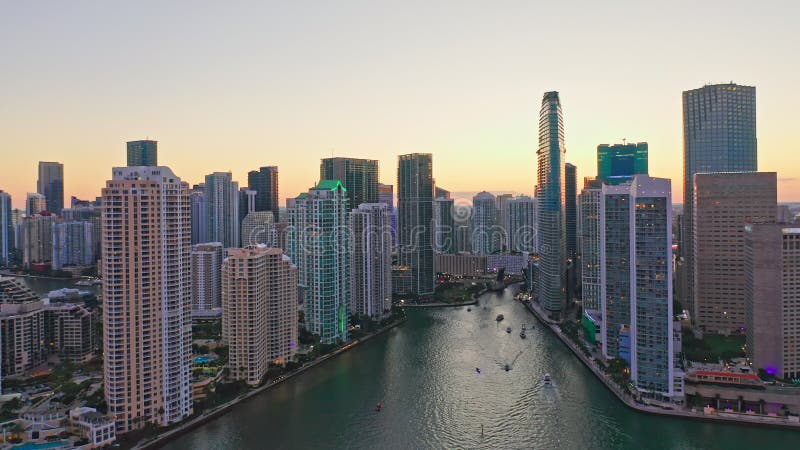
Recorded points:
142,153
590,243
723,203
259,303
522,225
51,184
265,182
618,162
35,203
386,196
371,261
73,244
359,177
6,229
550,198
36,239
571,210
444,227
147,298
222,209
206,282
487,234
319,245
415,218
719,135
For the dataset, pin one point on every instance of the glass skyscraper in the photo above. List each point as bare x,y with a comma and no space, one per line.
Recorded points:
6,228
142,153
719,135
415,219
571,209
265,182
359,177
617,163
550,198
222,209
51,185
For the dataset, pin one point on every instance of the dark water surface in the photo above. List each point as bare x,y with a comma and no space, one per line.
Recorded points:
424,373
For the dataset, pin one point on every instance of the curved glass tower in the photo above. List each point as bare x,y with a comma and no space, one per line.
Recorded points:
550,199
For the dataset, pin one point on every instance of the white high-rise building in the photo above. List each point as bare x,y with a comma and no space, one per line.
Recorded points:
636,282
6,228
319,245
147,298
371,260
486,233
206,284
222,209
73,244
259,304
522,225
589,206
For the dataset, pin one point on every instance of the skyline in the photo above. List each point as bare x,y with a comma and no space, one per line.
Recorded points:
289,85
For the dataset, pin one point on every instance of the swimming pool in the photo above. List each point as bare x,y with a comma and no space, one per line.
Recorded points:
41,446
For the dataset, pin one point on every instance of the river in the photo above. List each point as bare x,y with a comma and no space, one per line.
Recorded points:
424,374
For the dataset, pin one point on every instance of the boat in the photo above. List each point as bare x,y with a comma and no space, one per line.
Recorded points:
522,334
83,283
507,367
508,329
469,309
499,318
547,380
378,407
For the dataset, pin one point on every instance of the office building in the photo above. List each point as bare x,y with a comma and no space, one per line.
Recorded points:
197,197
359,177
51,184
371,261
73,244
590,243
206,284
636,282
265,182
147,297
503,204
619,162
522,225
723,203
6,229
772,299
259,304
571,210
142,153
415,217
35,203
222,209
319,246
719,135
444,227
440,192
386,196
486,232
550,202
69,331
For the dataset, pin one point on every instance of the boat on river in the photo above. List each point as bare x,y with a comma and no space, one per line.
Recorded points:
499,318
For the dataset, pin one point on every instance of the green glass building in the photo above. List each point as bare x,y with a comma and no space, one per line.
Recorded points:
619,162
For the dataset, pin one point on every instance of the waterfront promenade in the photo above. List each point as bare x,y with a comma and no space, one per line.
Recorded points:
628,401
211,414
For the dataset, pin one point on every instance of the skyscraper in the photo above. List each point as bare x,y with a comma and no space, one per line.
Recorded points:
265,182
258,228
504,220
36,239
386,196
772,298
371,260
619,162
636,281
723,203
550,201
142,153
259,304
486,232
206,284
522,228
73,244
51,185
6,228
35,203
147,301
444,227
319,245
199,214
590,243
571,209
415,217
359,177
719,135
222,209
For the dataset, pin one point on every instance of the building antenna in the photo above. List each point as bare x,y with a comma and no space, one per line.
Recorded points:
623,141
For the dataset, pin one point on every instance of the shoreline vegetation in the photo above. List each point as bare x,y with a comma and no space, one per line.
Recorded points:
169,434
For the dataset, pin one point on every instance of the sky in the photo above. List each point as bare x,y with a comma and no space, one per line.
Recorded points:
233,88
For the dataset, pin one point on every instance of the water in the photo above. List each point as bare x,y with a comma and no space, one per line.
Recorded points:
44,285
424,373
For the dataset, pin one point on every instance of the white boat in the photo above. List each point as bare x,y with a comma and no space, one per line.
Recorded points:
547,380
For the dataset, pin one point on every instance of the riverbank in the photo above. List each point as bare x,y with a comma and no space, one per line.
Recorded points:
777,422
474,301
209,415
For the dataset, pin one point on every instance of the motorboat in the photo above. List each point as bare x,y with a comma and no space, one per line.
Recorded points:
378,407
469,309
522,334
547,380
499,318
508,329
